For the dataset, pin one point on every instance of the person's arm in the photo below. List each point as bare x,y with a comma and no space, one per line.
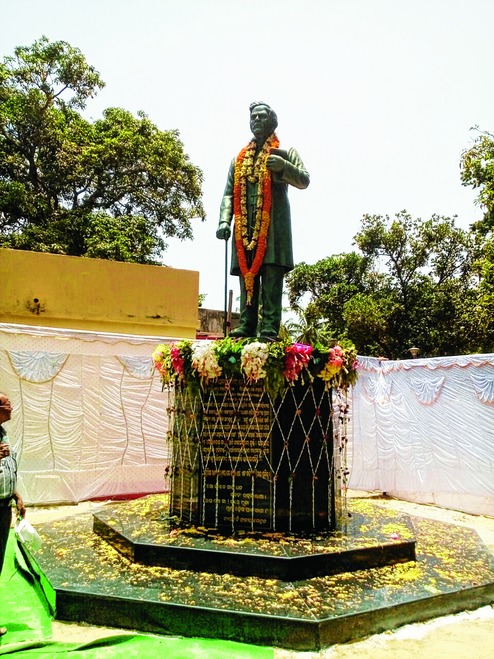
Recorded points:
19,502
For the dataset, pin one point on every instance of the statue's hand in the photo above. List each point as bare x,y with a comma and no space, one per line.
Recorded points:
223,231
275,163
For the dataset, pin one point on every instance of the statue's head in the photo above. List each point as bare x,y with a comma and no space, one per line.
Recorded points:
263,119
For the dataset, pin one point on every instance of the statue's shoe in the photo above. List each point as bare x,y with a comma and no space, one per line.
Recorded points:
241,333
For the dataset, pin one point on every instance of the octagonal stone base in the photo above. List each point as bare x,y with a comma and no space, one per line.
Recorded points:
87,579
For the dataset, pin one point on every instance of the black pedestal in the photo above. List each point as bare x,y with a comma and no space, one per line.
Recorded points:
243,461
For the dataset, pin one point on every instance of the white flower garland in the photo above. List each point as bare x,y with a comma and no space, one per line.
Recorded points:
205,361
253,359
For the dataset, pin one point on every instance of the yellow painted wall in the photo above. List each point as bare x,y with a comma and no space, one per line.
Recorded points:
97,295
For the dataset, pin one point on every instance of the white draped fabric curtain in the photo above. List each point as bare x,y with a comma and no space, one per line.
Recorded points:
89,416
423,430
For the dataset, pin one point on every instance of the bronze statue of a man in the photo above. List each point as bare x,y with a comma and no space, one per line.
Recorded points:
256,195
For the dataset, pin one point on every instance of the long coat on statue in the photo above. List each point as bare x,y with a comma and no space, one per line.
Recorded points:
279,243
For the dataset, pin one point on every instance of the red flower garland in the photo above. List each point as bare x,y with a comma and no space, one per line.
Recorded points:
259,242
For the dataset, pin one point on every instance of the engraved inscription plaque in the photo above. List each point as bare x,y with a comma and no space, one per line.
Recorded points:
243,461
236,456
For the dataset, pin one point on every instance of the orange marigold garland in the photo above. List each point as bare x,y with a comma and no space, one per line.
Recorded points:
252,169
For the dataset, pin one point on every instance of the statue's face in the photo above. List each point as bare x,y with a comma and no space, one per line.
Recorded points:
260,122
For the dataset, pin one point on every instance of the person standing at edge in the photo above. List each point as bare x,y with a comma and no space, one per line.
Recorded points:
256,195
8,482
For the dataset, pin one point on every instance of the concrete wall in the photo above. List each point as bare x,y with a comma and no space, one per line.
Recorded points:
211,323
97,295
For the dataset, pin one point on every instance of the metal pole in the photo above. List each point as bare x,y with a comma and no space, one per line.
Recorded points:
229,317
225,302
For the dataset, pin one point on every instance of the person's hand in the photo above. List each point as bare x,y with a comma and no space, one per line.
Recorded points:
19,502
275,163
4,450
223,231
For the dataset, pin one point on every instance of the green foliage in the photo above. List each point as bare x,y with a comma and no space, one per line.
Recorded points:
415,283
477,165
275,381
113,188
328,285
229,353
477,171
366,317
122,238
307,331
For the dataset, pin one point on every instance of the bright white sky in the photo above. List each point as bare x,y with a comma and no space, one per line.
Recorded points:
377,96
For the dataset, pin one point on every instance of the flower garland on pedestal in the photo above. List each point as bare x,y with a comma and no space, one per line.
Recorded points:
252,169
279,364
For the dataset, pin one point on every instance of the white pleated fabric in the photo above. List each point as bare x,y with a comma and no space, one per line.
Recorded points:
89,419
423,430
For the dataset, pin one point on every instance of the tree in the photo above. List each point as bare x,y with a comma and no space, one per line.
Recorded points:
431,279
342,297
323,288
113,188
415,283
477,170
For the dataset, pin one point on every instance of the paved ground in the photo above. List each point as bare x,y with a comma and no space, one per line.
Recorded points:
468,635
